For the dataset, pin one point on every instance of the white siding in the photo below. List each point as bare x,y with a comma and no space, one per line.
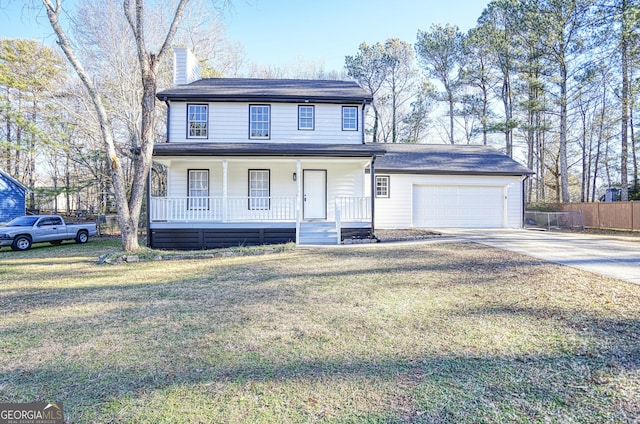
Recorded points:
281,175
345,177
229,123
397,210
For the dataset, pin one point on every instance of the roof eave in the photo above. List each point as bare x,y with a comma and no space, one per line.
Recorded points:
257,151
452,172
263,99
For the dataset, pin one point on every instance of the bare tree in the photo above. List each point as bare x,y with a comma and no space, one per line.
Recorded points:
129,207
440,51
367,68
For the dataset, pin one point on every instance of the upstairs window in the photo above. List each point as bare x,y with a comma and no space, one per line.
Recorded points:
197,121
382,186
259,120
349,118
305,117
259,189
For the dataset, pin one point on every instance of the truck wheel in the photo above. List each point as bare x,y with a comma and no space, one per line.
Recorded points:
82,237
21,243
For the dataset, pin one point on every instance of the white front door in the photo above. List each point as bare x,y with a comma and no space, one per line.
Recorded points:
314,193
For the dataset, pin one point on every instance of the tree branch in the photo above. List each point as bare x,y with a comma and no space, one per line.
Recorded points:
177,16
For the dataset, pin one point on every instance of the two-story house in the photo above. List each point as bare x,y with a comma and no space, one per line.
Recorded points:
259,161
253,161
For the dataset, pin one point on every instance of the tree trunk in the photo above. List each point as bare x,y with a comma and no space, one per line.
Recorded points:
67,181
376,119
585,170
485,114
542,145
596,160
128,209
506,101
624,97
8,134
128,230
451,126
634,154
31,167
394,112
564,168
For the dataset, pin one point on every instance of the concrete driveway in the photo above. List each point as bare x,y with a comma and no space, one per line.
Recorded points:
612,256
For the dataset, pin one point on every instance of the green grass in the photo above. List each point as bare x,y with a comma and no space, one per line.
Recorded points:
442,332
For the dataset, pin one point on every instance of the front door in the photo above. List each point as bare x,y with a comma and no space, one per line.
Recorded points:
315,193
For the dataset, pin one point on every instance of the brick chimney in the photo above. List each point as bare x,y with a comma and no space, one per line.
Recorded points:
186,68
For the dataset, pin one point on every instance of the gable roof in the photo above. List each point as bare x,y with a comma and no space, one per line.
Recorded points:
447,159
271,90
14,181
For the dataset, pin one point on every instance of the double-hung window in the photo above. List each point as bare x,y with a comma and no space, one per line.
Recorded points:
349,118
259,121
198,189
197,121
259,189
305,117
382,186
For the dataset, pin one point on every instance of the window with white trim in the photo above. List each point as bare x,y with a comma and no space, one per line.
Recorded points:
305,117
197,121
349,118
259,121
198,189
259,189
382,186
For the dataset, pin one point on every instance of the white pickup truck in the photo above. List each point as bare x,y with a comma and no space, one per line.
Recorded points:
22,232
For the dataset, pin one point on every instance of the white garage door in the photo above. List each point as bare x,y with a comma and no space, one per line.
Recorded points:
437,206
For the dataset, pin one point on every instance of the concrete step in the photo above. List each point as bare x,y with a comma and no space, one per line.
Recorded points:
318,233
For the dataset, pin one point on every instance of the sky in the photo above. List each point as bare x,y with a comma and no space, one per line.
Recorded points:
328,30
277,33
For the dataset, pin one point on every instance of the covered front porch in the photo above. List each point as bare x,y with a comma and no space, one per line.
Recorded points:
231,200
283,218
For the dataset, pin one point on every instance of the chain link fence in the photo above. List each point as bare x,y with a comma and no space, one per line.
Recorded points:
571,220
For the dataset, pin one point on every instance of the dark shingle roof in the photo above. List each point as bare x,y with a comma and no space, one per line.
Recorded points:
391,158
272,90
267,149
447,159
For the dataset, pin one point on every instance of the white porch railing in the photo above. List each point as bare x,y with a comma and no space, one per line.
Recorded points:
233,208
223,210
357,208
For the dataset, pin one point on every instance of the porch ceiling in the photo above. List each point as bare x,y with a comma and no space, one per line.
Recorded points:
267,149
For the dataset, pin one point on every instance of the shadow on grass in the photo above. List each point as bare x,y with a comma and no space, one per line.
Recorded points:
564,388
387,262
174,337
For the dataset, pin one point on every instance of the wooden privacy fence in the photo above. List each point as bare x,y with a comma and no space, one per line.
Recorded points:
608,215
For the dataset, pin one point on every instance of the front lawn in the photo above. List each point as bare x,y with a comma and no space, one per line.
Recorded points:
442,332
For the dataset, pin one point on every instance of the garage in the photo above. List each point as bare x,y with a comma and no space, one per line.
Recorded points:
447,186
458,206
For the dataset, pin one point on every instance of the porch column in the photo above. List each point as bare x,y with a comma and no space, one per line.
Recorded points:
225,203
298,199
148,205
373,194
